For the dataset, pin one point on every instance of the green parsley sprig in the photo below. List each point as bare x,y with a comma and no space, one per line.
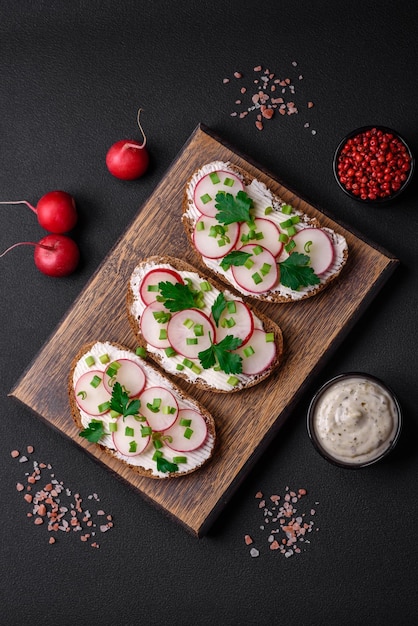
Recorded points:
179,296
233,208
220,354
295,272
94,431
121,403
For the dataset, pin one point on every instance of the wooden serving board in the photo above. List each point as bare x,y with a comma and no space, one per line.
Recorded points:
247,420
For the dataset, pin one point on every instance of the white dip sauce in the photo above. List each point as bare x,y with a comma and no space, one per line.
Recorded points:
355,420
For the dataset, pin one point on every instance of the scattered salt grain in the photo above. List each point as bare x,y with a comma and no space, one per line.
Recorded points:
254,552
48,510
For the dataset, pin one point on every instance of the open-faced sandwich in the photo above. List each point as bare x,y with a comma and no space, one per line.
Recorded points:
125,405
256,242
196,329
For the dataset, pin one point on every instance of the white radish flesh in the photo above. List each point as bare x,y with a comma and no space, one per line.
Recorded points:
129,374
261,275
190,332
317,245
214,245
211,184
128,430
178,441
266,232
237,321
152,331
165,410
258,354
148,289
89,397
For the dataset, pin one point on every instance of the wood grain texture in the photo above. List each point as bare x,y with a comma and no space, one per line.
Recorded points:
246,421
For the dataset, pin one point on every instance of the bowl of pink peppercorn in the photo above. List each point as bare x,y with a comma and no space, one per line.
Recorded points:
373,164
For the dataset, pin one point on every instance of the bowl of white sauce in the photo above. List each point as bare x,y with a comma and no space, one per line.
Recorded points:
354,420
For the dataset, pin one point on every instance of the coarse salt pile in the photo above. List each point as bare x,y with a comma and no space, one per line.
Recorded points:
55,507
286,527
267,95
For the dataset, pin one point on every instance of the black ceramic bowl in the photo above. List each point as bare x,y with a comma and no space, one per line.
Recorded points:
373,164
345,420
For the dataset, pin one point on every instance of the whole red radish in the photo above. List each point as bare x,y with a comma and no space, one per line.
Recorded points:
128,159
55,255
56,211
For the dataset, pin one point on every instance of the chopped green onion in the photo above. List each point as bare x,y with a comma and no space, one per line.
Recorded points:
187,363
257,278
214,178
82,394
140,351
213,232
245,238
286,209
291,231
163,334
90,360
155,406
179,459
205,286
188,323
198,330
200,225
179,367
95,381
113,426
132,446
259,236
192,341
104,358
188,433
185,422
289,246
248,351
205,198
231,306
146,431
266,267
105,406
287,223
229,182
249,263
283,237
129,432
257,250
295,219
196,369
170,351
268,210
169,410
114,414
269,337
153,288
157,443
232,380
157,455
307,246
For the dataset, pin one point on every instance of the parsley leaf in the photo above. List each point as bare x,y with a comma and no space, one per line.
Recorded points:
218,307
229,362
121,403
163,465
295,272
233,209
94,431
179,296
236,258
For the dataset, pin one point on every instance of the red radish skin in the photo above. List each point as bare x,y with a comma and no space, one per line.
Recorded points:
128,159
130,375
206,188
56,211
317,244
154,277
178,441
88,397
159,421
54,255
122,441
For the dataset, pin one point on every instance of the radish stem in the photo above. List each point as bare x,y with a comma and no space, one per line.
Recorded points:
26,243
32,208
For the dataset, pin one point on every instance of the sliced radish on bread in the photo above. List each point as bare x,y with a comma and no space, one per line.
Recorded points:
190,332
188,433
258,354
91,394
213,240
126,372
259,274
318,246
211,184
159,407
149,286
153,328
129,437
237,320
264,232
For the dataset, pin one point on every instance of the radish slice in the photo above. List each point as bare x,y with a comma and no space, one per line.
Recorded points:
190,332
265,233
261,275
159,407
317,245
211,244
128,431
148,289
238,322
177,432
130,375
211,184
89,397
258,354
152,331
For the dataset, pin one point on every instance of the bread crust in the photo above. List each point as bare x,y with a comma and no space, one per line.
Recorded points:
269,325
75,413
273,296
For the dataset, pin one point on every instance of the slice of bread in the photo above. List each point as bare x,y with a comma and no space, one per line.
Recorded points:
143,463
263,199
210,378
